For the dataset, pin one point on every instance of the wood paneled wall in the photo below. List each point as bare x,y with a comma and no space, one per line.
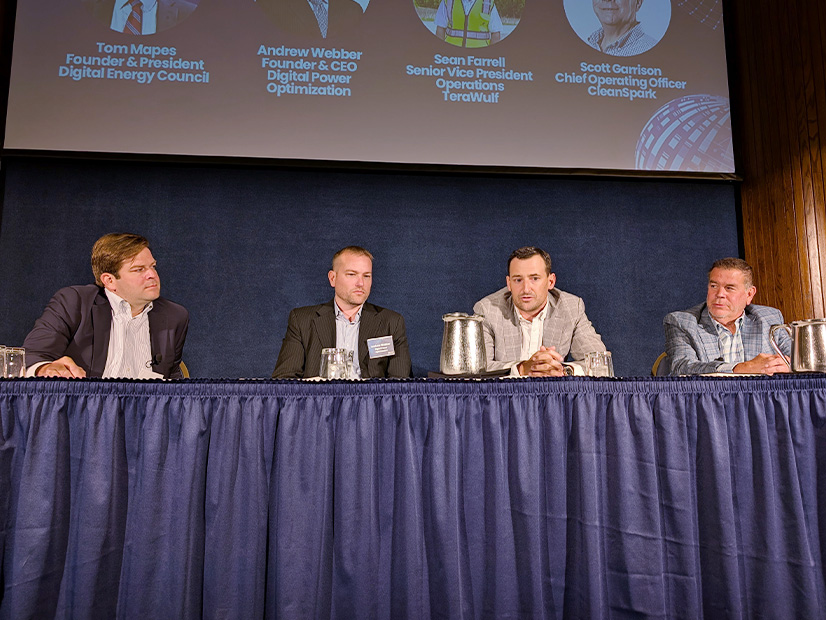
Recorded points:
776,63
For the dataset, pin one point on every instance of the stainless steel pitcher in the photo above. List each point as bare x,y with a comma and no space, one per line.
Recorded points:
808,344
463,345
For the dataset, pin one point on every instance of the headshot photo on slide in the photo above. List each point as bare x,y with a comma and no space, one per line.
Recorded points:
619,27
141,17
314,19
470,23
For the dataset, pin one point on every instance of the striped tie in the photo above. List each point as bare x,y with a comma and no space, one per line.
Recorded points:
320,10
133,24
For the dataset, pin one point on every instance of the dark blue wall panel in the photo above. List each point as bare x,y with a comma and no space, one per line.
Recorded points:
239,247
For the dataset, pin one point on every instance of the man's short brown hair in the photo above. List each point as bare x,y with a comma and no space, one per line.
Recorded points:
353,249
528,251
737,264
111,251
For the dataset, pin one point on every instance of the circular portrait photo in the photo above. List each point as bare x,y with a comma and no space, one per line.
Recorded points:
140,17
470,23
619,27
316,19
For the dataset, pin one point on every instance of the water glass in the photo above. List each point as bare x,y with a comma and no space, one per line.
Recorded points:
15,364
336,363
599,364
2,361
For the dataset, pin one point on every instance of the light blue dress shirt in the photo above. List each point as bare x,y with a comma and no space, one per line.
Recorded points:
347,336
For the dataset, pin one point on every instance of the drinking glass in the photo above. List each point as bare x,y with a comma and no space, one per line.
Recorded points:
600,364
336,363
2,361
15,362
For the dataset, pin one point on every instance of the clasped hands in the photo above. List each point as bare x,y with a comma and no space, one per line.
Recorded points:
544,363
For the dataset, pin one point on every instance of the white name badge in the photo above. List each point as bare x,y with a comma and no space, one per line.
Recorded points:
381,347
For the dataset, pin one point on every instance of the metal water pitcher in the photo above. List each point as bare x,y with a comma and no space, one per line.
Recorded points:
463,345
808,344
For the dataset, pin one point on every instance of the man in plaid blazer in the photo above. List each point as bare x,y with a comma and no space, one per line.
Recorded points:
530,326
727,333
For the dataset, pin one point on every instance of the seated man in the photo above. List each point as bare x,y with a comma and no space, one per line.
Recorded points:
530,326
727,333
119,327
346,322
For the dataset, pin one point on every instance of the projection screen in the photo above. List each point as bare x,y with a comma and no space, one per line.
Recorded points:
623,85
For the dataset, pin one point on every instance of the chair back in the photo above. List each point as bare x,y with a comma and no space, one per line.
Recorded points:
662,366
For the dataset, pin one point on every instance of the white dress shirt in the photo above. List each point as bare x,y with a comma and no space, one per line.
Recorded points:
130,349
532,331
122,10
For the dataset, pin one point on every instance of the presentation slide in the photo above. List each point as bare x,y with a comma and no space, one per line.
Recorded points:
562,84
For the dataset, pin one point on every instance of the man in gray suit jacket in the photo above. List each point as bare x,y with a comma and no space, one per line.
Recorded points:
347,321
530,326
727,333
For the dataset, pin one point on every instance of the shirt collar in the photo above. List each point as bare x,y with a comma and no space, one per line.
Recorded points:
738,325
121,307
542,313
148,5
597,37
341,316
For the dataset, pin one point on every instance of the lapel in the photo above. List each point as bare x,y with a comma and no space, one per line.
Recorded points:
157,333
101,328
324,325
549,338
513,334
708,335
368,328
752,343
167,15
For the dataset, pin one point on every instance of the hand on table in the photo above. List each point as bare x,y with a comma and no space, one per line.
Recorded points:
63,367
763,364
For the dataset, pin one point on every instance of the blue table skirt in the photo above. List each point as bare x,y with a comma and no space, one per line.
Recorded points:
560,498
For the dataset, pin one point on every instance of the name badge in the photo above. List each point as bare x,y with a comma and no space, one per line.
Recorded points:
381,347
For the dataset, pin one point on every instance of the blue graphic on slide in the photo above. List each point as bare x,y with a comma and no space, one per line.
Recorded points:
690,134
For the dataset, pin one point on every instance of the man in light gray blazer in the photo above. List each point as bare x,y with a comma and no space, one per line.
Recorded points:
727,333
530,326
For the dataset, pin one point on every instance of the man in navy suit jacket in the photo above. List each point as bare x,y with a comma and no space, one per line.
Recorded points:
727,333
120,326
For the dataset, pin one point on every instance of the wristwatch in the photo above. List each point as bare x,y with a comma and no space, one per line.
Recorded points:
568,370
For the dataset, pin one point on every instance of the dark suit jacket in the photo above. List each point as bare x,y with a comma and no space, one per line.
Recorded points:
313,328
170,12
297,16
77,323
